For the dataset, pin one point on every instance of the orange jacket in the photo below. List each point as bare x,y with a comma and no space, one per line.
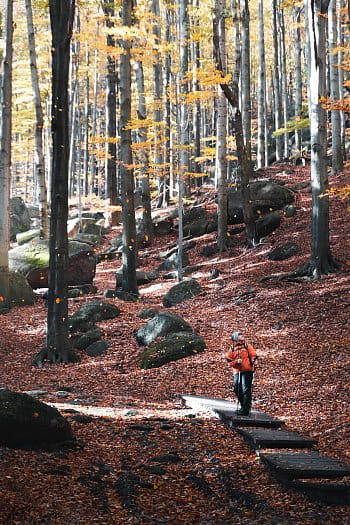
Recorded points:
241,357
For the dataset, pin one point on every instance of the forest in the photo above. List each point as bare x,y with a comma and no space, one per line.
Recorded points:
174,183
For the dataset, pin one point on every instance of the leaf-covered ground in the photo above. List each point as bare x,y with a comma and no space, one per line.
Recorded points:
144,459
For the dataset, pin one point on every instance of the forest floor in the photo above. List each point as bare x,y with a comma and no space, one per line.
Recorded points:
301,332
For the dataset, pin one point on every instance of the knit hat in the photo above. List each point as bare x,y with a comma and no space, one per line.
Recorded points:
235,336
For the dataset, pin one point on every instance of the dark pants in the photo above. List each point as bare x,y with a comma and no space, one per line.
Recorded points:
242,385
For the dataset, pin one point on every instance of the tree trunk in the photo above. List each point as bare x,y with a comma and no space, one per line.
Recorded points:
58,348
261,149
129,284
283,76
298,77
111,111
245,76
5,154
276,82
39,126
321,259
147,225
221,154
337,154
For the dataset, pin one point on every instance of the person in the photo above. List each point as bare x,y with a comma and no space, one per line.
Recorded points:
242,357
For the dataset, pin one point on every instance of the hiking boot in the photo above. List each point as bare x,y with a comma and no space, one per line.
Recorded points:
242,412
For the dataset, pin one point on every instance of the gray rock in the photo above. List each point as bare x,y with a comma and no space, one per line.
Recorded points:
97,348
19,217
147,313
284,251
91,336
174,347
268,224
92,312
32,260
20,292
162,324
89,238
182,291
27,236
162,226
289,210
26,422
36,393
141,277
266,196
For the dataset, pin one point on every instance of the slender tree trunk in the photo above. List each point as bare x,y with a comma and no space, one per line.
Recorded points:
5,155
221,153
337,154
298,77
321,259
129,283
261,92
147,225
284,87
276,83
39,126
245,76
86,123
197,106
111,111
93,161
58,347
168,108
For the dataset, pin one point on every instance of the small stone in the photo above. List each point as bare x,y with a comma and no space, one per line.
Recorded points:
61,393
35,393
129,413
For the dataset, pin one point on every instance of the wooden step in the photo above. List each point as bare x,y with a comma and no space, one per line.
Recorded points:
256,419
334,493
267,438
294,465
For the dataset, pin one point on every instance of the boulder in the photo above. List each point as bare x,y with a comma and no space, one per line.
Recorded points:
267,224
20,292
89,238
27,236
162,226
172,262
90,226
92,312
289,210
182,291
97,348
32,260
284,251
19,217
194,214
26,422
266,196
160,325
176,346
147,313
141,277
89,337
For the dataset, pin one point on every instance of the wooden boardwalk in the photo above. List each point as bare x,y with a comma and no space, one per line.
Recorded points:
294,469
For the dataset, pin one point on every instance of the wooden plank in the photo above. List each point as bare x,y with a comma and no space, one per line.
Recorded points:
256,419
267,438
334,493
293,465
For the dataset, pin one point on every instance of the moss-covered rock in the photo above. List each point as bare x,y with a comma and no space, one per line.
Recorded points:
21,293
160,325
174,347
92,312
32,261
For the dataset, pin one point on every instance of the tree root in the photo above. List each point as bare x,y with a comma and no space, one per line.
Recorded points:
311,271
55,356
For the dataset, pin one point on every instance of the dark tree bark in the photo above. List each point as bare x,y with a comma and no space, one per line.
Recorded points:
129,283
111,111
58,348
232,95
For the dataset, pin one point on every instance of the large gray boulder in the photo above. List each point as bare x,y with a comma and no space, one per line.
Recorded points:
284,251
92,312
32,261
21,293
141,277
266,196
19,217
26,422
160,325
268,224
174,347
182,291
